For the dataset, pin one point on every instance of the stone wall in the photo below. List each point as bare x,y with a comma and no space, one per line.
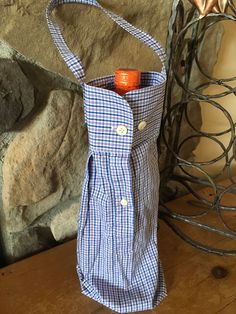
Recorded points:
43,138
43,153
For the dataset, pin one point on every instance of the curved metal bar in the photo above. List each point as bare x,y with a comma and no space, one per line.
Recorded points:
177,57
187,35
195,243
206,133
200,225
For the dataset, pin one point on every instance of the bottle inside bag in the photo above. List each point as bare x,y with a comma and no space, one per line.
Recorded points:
127,80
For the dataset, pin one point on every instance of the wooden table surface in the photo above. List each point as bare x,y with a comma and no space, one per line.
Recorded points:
47,283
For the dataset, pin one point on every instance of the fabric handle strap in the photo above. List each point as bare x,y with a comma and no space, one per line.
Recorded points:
73,62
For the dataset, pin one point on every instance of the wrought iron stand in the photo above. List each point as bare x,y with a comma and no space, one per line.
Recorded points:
187,35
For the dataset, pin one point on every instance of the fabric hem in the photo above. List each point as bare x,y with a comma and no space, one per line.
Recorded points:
128,309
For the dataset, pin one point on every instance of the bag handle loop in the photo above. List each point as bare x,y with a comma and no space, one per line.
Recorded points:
73,62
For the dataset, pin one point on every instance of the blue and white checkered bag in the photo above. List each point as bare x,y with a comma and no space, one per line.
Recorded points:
117,245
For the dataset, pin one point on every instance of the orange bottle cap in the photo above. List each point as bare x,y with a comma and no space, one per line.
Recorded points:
127,78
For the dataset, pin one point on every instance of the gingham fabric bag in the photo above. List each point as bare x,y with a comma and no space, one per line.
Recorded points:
117,245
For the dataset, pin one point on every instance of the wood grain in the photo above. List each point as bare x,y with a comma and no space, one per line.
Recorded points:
47,283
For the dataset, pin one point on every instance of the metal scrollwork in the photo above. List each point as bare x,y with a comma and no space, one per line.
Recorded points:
188,33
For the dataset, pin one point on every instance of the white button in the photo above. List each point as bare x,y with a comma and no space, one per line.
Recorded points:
121,130
142,125
124,202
